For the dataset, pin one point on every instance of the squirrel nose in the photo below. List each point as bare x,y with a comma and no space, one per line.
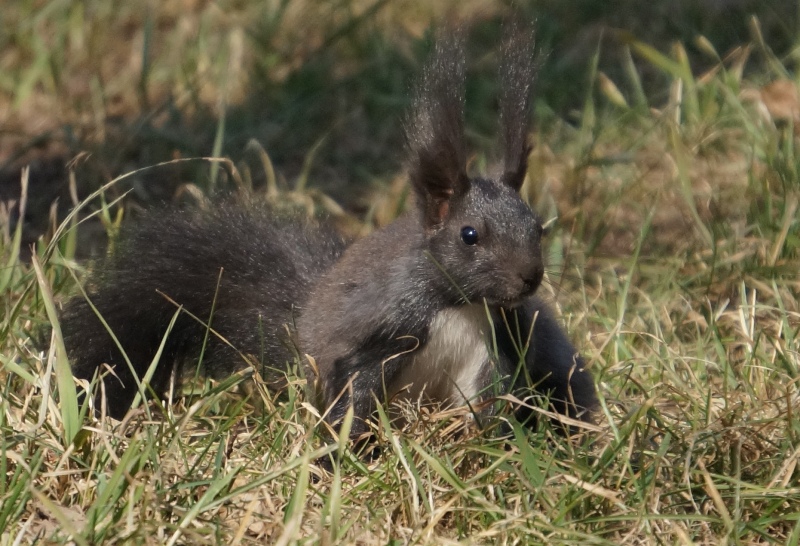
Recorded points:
532,279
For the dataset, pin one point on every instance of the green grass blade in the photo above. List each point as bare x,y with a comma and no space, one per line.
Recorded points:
67,394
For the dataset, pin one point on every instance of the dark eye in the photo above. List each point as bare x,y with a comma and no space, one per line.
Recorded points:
469,235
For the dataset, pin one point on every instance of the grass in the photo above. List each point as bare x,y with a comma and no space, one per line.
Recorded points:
674,262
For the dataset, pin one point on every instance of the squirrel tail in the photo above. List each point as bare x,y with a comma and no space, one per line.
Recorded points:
231,277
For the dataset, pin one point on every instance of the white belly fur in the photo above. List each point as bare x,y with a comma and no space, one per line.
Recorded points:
449,368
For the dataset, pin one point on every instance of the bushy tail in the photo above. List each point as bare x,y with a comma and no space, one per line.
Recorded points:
239,269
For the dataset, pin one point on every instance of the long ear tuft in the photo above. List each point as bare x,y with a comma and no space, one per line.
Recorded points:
517,74
435,130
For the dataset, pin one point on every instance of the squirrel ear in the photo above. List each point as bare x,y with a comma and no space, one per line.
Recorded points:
435,130
517,74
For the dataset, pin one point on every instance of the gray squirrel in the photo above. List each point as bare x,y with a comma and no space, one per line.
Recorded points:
439,306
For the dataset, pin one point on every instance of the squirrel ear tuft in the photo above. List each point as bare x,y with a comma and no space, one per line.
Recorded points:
517,75
435,130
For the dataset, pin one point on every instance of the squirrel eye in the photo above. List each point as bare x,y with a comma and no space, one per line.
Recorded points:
469,235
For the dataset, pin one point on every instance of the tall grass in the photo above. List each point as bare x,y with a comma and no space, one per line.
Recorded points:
675,260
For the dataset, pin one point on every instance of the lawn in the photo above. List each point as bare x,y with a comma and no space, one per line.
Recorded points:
666,155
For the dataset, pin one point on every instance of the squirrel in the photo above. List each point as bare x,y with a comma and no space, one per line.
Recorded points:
439,306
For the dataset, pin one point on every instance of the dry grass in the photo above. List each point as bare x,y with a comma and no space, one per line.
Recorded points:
674,262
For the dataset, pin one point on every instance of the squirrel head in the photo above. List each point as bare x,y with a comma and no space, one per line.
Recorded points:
483,238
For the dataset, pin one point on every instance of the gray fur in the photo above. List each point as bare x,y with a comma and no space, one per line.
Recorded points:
239,266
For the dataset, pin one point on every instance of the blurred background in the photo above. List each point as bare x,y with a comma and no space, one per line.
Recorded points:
318,88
